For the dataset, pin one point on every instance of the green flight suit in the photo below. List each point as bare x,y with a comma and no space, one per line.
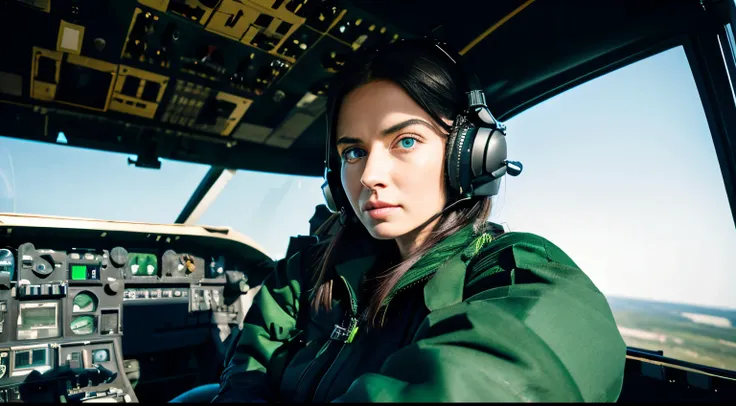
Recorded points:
506,319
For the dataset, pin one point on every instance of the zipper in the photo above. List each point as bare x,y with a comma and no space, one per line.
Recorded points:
304,372
353,324
346,335
332,364
339,333
351,293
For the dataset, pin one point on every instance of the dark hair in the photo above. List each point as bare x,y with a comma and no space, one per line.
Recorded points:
437,85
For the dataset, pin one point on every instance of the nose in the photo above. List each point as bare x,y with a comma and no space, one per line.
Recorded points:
377,170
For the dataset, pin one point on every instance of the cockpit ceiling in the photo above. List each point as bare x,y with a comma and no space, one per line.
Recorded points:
241,83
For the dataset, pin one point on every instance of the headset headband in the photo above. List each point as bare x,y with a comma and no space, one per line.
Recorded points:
476,96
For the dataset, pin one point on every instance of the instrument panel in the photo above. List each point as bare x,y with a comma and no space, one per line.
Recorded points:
65,296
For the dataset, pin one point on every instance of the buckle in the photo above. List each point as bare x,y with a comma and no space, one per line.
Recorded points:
345,334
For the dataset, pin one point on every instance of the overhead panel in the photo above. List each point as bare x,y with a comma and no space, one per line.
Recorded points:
357,29
252,133
11,84
42,5
138,92
138,44
45,70
160,5
186,104
198,11
240,106
70,38
352,30
306,111
254,24
198,69
75,80
199,107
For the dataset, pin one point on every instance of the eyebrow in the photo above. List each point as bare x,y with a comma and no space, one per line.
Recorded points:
394,128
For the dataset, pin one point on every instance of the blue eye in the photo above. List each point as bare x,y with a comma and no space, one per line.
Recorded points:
353,153
407,142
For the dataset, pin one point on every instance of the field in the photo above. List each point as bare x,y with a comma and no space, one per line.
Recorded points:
690,333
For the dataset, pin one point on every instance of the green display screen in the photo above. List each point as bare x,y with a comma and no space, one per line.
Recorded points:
142,264
79,272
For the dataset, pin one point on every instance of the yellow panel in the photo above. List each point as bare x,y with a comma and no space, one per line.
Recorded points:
225,20
70,38
95,64
160,5
130,28
236,19
142,74
241,106
41,90
135,105
131,105
99,65
280,15
136,12
41,5
197,4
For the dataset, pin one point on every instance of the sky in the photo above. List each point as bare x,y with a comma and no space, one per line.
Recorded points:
620,173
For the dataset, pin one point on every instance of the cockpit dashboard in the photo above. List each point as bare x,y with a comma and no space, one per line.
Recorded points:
77,294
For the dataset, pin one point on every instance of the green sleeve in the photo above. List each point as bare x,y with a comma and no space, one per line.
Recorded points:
532,327
270,322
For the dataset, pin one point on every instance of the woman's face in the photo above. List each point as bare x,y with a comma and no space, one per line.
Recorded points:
392,160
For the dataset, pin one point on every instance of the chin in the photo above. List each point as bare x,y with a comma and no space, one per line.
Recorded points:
385,230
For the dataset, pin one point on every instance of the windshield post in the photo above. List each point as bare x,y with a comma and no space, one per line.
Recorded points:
204,195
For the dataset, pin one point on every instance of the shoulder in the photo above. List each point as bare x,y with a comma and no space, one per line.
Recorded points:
522,248
521,258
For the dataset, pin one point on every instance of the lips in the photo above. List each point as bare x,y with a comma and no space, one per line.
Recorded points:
377,204
379,210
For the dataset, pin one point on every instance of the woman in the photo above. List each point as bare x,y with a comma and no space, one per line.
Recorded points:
403,303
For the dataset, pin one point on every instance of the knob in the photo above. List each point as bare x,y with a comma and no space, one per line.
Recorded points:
42,269
119,256
188,262
113,287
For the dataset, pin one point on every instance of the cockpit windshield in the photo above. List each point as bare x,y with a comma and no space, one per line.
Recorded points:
47,179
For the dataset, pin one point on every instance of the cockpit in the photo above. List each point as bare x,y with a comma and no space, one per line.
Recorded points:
158,156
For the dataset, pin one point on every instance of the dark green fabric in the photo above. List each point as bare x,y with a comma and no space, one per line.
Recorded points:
432,260
513,319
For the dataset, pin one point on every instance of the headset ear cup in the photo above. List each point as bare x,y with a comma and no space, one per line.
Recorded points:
460,175
334,195
452,156
329,200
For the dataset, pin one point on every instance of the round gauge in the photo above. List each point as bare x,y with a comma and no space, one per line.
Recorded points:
83,325
84,302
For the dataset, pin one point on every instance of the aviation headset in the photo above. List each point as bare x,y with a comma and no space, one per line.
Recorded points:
476,151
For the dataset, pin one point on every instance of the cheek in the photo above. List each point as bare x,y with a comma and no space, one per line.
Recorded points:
424,176
350,177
